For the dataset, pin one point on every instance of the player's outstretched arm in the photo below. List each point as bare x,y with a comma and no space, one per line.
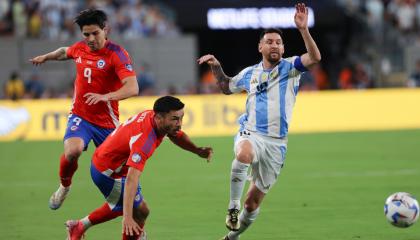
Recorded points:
183,141
59,54
216,68
313,55
129,226
130,88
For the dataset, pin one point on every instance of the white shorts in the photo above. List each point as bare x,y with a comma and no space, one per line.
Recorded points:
269,156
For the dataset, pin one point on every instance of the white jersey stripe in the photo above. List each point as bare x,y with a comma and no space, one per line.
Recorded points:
271,96
111,113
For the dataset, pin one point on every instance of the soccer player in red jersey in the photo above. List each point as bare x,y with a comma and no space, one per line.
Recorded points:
104,76
118,163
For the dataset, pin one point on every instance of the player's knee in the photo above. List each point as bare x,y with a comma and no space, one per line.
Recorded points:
141,214
145,212
73,153
244,156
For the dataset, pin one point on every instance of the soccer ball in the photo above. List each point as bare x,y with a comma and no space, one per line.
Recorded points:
401,209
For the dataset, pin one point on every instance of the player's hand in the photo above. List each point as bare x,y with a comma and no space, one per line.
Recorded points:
130,227
205,152
301,16
94,98
38,60
209,59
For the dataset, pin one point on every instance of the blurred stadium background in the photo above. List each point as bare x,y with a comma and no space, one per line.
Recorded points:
354,138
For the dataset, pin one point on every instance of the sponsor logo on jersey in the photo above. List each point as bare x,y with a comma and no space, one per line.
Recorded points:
136,157
73,128
129,67
100,63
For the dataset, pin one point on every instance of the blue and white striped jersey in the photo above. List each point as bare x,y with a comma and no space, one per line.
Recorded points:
271,96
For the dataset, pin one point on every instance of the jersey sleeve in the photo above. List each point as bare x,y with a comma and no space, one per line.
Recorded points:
298,65
137,160
240,82
141,148
123,64
71,50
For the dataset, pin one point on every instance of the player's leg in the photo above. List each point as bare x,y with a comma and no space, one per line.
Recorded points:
73,148
250,212
244,155
76,139
265,171
140,214
77,228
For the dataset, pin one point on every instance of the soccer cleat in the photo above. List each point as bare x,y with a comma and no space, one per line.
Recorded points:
225,238
75,230
57,198
232,221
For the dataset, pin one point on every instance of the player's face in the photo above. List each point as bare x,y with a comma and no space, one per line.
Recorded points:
172,121
95,36
271,47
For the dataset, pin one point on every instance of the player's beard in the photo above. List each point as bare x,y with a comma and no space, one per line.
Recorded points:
273,57
93,46
171,130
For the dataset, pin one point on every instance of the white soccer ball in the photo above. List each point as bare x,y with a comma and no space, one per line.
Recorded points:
401,209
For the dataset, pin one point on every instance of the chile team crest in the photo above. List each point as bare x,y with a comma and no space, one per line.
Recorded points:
100,64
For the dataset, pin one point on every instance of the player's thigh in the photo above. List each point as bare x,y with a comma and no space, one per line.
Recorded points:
77,128
269,162
244,149
113,189
100,134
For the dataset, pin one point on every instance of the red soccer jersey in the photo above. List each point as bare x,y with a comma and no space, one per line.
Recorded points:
99,72
131,144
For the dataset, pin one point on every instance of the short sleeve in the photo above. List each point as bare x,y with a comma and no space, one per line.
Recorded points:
137,160
297,63
240,82
71,50
123,64
142,147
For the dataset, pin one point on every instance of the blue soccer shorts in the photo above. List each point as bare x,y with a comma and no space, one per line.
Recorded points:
113,189
78,127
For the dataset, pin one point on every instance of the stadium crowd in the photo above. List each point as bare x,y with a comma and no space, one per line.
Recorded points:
377,31
53,19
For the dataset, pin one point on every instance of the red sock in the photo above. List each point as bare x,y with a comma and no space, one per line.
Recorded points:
67,170
103,214
127,237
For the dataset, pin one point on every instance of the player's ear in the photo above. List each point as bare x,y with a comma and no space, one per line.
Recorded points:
259,46
106,30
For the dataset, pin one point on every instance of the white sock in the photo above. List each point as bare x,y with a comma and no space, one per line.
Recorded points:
237,183
246,218
86,222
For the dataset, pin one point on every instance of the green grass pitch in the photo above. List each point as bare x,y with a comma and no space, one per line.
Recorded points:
333,186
